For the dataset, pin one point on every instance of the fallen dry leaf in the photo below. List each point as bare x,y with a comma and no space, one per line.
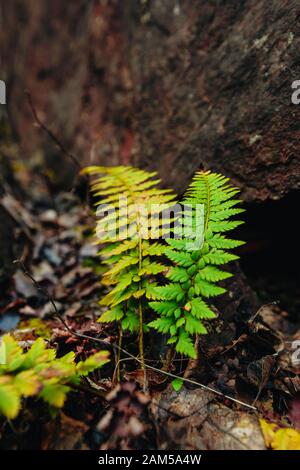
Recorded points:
280,439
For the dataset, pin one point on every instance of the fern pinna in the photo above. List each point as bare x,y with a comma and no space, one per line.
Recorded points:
131,252
194,275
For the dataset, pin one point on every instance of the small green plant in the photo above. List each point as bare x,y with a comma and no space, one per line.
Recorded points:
194,276
134,259
39,373
165,276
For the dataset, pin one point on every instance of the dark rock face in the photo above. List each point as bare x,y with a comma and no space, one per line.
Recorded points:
214,90
165,84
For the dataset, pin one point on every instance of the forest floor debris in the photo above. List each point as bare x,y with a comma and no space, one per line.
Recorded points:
248,357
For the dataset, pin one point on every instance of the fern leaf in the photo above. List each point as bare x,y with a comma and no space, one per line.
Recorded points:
133,259
185,345
123,263
194,326
194,274
224,225
177,274
130,322
180,258
213,274
151,268
113,314
163,308
156,249
219,257
219,241
162,324
178,244
200,309
207,289
169,292
225,214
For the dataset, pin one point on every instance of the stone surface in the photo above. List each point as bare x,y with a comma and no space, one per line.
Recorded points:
165,84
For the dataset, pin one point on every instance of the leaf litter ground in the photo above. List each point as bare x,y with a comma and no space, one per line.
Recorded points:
247,355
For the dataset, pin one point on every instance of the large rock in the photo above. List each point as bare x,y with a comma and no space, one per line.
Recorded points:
213,88
167,84
195,420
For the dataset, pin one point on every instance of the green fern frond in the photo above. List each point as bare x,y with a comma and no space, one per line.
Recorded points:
136,263
194,274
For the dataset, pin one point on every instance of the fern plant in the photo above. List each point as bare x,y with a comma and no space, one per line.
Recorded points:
181,304
39,373
129,229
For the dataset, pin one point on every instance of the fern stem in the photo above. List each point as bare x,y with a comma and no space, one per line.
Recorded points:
141,344
208,203
141,336
141,320
119,353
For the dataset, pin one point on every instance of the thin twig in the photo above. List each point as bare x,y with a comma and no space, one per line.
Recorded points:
118,348
62,148
275,302
51,134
